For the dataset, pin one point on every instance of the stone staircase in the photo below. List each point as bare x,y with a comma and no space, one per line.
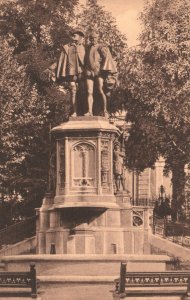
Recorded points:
18,232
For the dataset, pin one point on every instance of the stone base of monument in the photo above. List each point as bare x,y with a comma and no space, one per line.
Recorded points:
86,226
96,229
86,215
83,277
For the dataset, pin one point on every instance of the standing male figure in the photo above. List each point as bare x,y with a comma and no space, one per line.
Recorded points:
99,64
118,161
70,66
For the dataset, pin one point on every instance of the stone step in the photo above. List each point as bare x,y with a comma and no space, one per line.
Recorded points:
81,277
75,279
2,266
74,287
76,290
16,293
79,265
99,287
17,298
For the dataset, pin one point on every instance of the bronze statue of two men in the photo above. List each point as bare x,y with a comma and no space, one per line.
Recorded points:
92,63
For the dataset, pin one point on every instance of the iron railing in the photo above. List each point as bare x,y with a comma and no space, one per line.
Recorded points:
18,232
143,202
176,232
19,280
150,279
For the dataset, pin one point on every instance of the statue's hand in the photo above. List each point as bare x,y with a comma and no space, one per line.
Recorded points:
45,75
110,82
48,75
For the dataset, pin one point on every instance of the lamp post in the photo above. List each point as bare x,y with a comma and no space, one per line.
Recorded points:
162,191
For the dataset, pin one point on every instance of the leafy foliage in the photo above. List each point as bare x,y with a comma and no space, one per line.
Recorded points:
153,85
22,124
37,22
95,17
37,30
158,89
32,34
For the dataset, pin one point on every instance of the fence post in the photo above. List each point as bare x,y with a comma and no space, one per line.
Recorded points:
154,223
173,233
122,278
187,295
33,280
165,227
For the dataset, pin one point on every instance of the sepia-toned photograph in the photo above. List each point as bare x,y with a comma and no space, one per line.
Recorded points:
95,149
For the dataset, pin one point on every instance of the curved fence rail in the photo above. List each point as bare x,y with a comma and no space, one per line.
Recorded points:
18,232
176,232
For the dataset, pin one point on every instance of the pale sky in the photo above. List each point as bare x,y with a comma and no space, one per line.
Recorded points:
126,13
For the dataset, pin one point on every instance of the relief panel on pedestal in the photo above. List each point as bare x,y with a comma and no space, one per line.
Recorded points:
62,166
52,176
83,167
105,166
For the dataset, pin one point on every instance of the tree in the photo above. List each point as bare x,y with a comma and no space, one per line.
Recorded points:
37,22
95,17
23,122
158,89
32,34
37,29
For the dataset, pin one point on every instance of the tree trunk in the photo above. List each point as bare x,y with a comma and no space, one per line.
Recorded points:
178,182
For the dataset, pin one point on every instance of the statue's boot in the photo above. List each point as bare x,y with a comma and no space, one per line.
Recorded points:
106,114
88,114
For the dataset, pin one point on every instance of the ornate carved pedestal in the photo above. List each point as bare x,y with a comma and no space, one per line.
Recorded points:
85,216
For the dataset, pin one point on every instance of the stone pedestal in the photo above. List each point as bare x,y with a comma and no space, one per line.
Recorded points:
82,240
86,216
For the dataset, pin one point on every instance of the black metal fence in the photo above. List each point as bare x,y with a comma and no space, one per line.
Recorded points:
176,232
128,280
143,202
159,226
17,232
19,280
